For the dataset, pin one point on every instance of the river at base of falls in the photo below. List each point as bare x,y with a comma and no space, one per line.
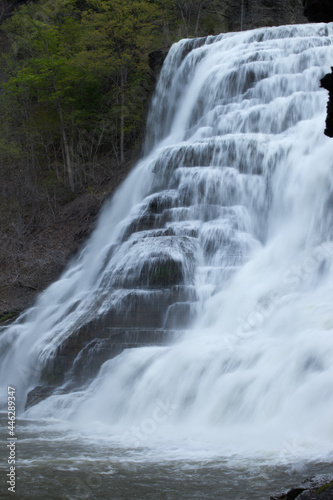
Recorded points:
55,462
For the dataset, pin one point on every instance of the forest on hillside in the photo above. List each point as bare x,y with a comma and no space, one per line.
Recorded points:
75,87
76,81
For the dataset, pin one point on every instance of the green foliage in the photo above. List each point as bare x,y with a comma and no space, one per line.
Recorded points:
6,317
75,79
74,88
10,149
325,487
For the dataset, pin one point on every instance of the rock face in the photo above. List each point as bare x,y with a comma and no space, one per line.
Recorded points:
318,10
327,83
39,393
249,14
156,60
82,354
316,488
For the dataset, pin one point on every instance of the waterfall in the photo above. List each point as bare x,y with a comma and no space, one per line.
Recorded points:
215,256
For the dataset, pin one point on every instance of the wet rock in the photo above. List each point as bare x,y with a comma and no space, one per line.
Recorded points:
151,217
180,315
156,262
320,494
289,495
162,270
144,222
39,393
316,488
327,83
82,354
94,354
135,318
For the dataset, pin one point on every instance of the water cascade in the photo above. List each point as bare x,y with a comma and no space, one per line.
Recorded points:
202,303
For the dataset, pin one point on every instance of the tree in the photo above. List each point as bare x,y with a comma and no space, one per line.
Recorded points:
80,75
118,36
44,45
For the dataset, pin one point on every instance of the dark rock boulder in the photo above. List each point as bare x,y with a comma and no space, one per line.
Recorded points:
327,83
323,493
318,11
290,495
316,488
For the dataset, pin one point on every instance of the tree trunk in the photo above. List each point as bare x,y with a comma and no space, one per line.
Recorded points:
123,83
122,132
198,20
66,149
65,144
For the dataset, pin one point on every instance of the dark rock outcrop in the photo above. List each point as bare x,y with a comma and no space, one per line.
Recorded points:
318,11
156,60
327,83
316,488
39,393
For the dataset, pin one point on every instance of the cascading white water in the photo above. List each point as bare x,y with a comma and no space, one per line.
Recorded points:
236,152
